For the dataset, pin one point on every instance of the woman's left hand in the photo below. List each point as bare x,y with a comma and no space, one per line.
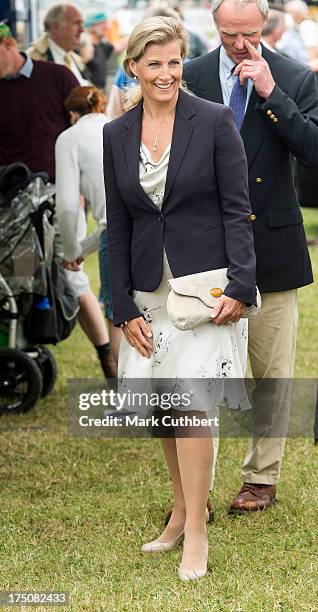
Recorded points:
227,310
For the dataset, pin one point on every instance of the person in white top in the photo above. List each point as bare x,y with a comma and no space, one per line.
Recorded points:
79,174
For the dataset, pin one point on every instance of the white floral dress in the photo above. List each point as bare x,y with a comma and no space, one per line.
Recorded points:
208,352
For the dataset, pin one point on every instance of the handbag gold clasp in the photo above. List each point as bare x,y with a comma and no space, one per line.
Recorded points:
216,292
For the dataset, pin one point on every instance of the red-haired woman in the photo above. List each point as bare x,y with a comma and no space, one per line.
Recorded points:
79,172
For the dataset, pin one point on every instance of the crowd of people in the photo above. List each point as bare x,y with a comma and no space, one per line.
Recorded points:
198,146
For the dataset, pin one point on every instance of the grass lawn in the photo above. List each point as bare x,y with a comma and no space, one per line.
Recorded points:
75,511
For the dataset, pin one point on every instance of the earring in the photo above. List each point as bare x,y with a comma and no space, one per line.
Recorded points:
135,77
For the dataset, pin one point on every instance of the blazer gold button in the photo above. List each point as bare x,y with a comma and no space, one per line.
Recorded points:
216,292
269,112
272,116
258,180
275,120
252,217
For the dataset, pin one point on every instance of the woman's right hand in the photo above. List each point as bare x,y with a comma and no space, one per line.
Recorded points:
138,334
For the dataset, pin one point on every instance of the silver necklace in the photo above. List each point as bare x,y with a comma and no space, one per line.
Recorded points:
156,135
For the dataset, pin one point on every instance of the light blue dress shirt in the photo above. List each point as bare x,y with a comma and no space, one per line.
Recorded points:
227,79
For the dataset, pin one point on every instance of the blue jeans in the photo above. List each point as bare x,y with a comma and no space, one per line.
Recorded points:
105,294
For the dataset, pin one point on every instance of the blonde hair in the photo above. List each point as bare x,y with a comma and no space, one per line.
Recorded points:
151,31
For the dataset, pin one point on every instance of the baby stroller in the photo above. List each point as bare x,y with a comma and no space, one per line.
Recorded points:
36,305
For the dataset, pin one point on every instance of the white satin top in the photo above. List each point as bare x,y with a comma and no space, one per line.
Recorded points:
152,175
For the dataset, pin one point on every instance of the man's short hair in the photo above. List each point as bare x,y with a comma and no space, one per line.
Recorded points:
261,4
274,21
55,13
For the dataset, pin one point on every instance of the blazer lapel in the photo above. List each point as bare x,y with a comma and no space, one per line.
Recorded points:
180,139
182,132
131,142
209,85
254,128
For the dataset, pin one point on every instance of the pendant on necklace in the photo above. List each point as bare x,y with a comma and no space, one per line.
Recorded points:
155,146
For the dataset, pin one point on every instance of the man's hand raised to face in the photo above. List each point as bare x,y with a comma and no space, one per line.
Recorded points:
256,69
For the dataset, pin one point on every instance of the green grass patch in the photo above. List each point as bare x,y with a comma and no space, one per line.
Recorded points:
75,511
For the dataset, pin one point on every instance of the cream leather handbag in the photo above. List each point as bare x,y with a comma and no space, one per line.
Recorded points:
192,298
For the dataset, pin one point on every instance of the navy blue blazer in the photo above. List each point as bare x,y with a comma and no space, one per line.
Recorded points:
273,131
204,223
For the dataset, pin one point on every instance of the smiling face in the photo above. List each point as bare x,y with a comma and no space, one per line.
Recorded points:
237,23
159,71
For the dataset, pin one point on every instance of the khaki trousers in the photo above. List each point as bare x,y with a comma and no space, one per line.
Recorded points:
271,349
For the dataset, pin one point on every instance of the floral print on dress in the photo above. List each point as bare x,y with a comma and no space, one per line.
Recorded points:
244,331
161,347
157,196
148,313
224,367
147,165
200,361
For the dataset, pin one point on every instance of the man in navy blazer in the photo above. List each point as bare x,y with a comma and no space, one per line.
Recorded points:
280,123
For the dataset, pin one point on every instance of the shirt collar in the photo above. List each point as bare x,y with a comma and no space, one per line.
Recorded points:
268,46
226,64
25,70
57,51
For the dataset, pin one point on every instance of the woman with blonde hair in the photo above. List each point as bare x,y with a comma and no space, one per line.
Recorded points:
177,205
79,173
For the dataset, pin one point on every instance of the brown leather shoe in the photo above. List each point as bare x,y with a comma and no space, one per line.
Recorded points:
253,497
210,513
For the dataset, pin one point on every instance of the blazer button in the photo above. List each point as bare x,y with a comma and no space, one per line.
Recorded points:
269,112
160,218
258,180
252,217
216,292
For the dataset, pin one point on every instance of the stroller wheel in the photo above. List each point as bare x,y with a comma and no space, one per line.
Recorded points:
20,381
47,365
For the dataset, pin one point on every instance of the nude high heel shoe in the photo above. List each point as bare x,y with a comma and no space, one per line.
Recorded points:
192,574
156,547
